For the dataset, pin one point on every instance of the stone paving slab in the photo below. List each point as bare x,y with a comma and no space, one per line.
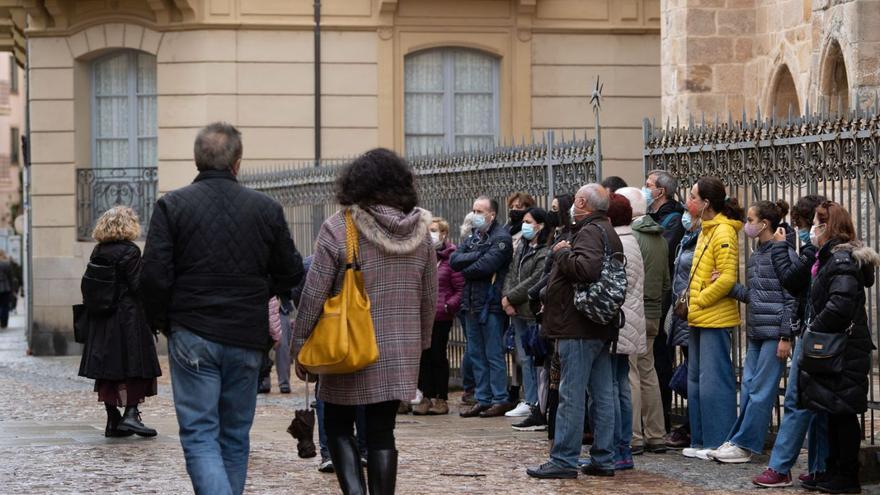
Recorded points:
51,441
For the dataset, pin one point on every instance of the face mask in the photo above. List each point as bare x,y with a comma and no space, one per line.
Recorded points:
435,238
553,220
649,196
516,216
687,221
815,231
479,221
571,214
528,231
804,236
753,231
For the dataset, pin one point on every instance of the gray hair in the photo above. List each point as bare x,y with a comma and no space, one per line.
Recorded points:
217,147
667,181
596,196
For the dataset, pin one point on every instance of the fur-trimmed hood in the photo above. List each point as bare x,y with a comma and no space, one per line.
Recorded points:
392,230
865,256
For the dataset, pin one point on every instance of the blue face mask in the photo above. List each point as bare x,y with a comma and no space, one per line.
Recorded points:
688,222
479,222
804,235
528,231
649,196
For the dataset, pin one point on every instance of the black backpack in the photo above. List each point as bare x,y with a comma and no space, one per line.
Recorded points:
100,287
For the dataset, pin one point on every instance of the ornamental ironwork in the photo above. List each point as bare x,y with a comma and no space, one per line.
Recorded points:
99,189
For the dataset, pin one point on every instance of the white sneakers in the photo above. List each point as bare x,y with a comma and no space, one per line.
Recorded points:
520,411
702,454
730,454
418,399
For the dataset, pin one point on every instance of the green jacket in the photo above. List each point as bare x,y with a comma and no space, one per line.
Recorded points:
655,254
525,271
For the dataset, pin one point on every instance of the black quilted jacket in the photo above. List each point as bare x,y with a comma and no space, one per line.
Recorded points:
215,253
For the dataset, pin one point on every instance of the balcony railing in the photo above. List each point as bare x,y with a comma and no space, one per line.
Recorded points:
99,189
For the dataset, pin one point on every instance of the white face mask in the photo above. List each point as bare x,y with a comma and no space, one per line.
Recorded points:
435,238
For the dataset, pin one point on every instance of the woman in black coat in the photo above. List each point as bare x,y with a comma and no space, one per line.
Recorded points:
120,353
844,268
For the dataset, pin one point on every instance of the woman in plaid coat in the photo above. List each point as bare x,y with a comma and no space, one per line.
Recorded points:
399,267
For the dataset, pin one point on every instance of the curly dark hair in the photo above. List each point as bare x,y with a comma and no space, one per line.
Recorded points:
378,177
805,209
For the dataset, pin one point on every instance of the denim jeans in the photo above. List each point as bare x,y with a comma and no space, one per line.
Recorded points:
796,423
711,387
760,386
526,362
468,383
585,363
215,394
282,352
486,349
623,409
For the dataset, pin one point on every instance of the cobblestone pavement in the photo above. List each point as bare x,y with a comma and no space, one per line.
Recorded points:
51,442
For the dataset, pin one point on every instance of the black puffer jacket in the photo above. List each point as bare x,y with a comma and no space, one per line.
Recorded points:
479,258
793,271
772,309
838,299
215,253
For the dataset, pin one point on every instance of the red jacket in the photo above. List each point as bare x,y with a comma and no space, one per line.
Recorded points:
450,283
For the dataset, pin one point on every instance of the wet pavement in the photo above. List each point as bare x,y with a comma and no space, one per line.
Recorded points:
51,441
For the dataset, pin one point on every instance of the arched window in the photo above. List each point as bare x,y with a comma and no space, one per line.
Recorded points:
124,126
835,84
451,100
784,98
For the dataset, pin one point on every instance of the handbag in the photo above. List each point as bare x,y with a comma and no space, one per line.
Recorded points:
343,340
601,300
80,323
680,307
679,381
534,344
823,352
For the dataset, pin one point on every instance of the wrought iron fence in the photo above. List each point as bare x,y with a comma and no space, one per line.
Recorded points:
99,189
447,185
836,156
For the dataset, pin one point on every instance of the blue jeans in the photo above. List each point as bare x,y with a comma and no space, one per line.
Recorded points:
796,423
526,362
486,349
623,410
215,394
760,386
468,383
585,363
711,387
360,422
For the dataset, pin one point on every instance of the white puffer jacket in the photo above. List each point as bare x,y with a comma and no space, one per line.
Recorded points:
632,336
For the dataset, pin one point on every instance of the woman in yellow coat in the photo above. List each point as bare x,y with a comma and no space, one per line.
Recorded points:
712,316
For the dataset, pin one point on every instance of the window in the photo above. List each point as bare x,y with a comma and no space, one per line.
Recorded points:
451,101
124,111
13,75
14,143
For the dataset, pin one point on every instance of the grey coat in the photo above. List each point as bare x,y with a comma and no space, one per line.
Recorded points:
525,271
772,309
678,329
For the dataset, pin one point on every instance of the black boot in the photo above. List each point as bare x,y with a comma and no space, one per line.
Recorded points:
382,471
347,463
131,422
113,419
844,479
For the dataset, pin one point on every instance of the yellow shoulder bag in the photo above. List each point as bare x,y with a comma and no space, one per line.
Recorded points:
344,340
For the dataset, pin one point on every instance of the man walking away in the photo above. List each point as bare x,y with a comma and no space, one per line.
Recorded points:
222,250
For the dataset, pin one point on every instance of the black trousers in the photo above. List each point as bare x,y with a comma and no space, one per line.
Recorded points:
381,417
434,365
5,299
844,440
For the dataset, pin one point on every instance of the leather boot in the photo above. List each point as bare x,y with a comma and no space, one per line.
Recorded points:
347,464
844,479
131,421
113,419
382,471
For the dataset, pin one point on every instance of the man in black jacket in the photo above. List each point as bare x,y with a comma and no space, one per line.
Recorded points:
483,258
215,253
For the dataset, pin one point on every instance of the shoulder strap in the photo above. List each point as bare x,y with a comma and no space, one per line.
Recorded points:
351,239
695,266
672,216
605,243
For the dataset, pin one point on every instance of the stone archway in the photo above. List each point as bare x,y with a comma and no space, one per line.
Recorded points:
834,84
784,99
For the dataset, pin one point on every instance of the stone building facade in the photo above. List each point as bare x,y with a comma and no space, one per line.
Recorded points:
119,88
721,56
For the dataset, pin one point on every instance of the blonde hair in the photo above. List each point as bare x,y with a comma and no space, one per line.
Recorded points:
119,223
442,224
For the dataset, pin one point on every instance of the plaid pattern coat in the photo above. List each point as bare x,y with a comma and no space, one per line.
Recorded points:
399,266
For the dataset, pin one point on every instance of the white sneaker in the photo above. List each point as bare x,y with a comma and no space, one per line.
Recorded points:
731,454
689,452
418,398
520,411
703,454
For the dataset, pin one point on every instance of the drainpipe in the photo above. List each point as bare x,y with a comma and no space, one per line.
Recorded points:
26,187
317,64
